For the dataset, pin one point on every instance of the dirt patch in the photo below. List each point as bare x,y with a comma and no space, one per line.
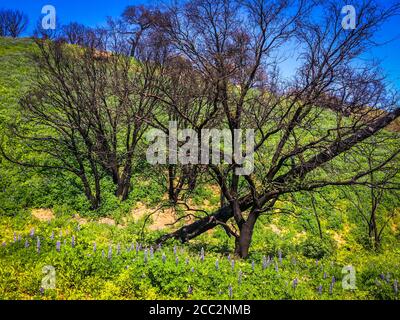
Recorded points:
216,189
394,126
80,220
107,221
43,214
140,211
163,219
275,229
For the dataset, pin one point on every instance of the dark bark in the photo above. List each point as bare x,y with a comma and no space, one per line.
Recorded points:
373,228
93,199
243,242
171,189
200,226
317,217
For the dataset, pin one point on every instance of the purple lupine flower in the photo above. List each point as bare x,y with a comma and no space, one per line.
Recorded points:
382,276
176,260
118,249
26,243
38,245
396,287
320,289
192,270
253,265
73,242
32,233
216,265
175,250
229,257
240,276
145,255
58,246
264,262
41,290
132,247
280,256
276,267
325,275
94,247
187,261
295,283
333,280
52,236
331,288
151,252
233,264
190,290
109,256
140,247
137,248
202,254
230,291
163,257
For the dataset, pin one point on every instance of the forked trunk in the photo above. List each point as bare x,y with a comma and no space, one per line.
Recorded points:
124,181
93,199
123,189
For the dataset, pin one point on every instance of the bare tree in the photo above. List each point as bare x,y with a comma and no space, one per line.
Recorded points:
3,23
49,34
375,202
87,111
74,33
303,127
12,23
138,20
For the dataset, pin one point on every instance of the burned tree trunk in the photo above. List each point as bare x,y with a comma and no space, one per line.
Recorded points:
243,242
198,227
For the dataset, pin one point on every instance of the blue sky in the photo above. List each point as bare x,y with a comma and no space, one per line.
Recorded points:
88,12
94,12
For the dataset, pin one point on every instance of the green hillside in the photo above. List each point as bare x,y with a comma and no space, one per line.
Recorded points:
298,251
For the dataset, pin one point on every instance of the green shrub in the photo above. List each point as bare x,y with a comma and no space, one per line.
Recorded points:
316,248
